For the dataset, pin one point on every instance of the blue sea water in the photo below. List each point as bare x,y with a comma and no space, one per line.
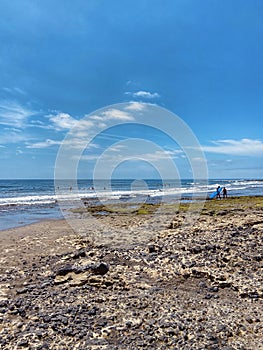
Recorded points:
27,201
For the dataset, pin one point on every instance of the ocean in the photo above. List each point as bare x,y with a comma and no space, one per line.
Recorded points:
27,201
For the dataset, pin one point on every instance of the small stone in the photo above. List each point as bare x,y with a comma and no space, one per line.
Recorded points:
22,312
153,248
69,332
46,319
93,311
39,334
45,284
257,258
249,320
100,269
222,212
196,250
22,343
202,284
22,290
64,270
208,296
3,310
43,347
79,254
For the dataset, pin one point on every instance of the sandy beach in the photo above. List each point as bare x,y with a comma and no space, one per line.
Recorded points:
172,286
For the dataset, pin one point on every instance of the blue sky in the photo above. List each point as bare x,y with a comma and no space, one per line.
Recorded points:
62,60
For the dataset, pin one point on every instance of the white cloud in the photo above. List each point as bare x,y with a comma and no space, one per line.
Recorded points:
199,160
44,144
125,151
38,123
13,114
135,106
82,144
159,155
96,117
86,157
143,94
116,114
14,90
112,137
75,143
244,147
12,135
64,121
117,148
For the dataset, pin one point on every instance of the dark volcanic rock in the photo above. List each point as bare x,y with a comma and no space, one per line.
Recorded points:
64,270
153,248
79,254
100,269
22,343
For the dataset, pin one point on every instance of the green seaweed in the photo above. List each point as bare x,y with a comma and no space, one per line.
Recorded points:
210,207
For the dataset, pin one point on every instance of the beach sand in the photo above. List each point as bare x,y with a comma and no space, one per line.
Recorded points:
136,280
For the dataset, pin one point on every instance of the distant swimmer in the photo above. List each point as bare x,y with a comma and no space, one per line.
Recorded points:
224,192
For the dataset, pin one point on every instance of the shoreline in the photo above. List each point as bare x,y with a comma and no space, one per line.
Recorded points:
176,286
101,207
30,227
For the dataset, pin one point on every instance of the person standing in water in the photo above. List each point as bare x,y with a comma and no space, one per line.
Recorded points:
224,193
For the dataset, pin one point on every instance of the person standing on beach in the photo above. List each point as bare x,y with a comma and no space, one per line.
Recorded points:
218,192
224,193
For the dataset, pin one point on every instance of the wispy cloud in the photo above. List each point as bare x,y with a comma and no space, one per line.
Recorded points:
44,144
74,143
160,154
14,114
243,147
117,148
14,90
117,114
11,136
64,121
86,157
39,124
135,106
113,114
120,152
143,94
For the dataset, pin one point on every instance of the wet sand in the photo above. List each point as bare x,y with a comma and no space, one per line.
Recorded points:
136,280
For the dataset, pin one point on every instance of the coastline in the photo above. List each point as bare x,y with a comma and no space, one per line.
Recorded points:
15,220
26,201
196,286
